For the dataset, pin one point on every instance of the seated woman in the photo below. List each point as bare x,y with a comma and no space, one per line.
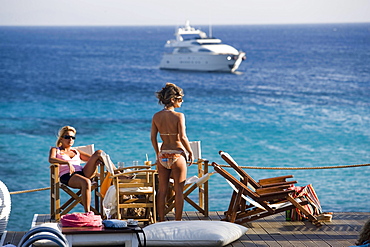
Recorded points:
71,172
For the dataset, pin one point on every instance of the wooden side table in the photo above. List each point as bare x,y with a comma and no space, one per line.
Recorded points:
99,236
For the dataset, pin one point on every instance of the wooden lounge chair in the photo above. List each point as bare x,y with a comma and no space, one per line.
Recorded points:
252,200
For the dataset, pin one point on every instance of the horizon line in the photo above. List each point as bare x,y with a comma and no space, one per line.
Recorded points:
169,25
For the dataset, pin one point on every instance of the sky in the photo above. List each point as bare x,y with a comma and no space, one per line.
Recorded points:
175,12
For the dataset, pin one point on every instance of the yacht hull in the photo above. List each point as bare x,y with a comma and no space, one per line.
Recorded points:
194,50
202,62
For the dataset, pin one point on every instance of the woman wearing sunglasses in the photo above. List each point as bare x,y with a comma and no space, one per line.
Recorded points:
171,159
71,172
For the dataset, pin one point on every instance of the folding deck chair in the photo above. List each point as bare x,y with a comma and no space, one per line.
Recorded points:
134,188
252,200
57,210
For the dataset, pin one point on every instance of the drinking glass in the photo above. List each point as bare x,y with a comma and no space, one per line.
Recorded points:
107,210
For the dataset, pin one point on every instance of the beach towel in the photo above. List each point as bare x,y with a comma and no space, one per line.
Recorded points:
81,219
313,206
107,182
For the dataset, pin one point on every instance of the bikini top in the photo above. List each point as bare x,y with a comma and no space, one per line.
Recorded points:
76,159
170,134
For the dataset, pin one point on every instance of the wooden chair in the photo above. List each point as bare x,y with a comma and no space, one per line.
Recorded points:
57,210
262,184
252,200
201,182
135,190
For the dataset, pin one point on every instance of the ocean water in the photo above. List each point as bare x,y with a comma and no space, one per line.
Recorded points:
301,99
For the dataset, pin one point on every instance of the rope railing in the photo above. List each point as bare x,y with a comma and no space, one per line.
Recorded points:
27,191
297,168
244,167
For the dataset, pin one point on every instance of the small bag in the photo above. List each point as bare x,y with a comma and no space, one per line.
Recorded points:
79,219
114,223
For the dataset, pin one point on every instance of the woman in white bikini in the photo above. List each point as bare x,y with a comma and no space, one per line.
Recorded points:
71,172
171,159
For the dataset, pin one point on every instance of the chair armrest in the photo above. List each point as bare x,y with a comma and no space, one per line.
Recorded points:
54,174
54,169
198,161
279,184
133,167
54,165
267,181
262,191
132,172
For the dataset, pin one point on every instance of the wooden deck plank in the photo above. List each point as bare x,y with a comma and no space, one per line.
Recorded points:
255,238
342,231
13,237
273,229
295,236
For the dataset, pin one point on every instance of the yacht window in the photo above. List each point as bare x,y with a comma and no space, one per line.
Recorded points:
190,36
204,50
184,50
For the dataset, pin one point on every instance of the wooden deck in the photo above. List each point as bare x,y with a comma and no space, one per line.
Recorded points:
274,230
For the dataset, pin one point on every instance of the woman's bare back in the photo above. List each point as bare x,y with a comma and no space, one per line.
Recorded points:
167,123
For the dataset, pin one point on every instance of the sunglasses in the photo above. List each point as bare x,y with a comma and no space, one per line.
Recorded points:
69,137
179,99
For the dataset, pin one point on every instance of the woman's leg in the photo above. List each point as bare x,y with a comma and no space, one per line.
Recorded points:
163,180
80,182
179,170
90,167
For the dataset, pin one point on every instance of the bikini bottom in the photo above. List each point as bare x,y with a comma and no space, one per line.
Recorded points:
66,177
168,157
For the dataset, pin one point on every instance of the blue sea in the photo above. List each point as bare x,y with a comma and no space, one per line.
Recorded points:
301,99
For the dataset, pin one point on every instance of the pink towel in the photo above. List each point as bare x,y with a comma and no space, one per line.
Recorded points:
79,219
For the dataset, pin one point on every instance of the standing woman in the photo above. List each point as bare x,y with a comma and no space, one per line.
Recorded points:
171,159
71,172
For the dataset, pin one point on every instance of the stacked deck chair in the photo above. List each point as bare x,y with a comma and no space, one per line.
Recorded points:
252,200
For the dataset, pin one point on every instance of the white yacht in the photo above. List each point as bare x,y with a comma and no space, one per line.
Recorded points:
194,50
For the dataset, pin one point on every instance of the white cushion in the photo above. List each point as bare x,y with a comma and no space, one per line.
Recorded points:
193,233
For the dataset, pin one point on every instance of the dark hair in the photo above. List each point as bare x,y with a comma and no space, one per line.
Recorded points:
169,92
364,234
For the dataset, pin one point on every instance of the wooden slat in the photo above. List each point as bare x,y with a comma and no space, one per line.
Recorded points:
274,180
262,191
12,237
